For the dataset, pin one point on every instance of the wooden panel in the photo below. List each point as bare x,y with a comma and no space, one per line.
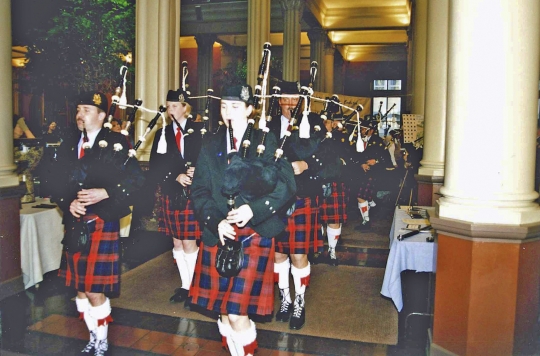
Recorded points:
10,241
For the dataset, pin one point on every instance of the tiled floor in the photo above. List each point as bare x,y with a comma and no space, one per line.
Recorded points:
44,321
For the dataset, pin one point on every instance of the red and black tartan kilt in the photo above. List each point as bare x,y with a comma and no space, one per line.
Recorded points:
366,189
180,224
251,292
302,228
333,209
99,270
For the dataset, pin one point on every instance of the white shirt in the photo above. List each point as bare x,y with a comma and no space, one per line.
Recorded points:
284,126
91,139
175,127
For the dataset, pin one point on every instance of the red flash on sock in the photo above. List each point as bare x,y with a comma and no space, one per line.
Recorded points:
304,281
107,320
224,343
364,209
337,237
276,277
81,315
250,349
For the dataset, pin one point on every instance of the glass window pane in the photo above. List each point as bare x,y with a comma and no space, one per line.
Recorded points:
380,85
394,85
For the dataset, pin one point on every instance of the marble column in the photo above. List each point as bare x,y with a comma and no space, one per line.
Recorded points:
10,193
431,173
157,61
7,177
328,73
205,62
292,14
258,33
419,56
318,39
487,221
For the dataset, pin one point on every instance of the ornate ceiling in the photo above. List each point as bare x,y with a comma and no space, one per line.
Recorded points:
361,30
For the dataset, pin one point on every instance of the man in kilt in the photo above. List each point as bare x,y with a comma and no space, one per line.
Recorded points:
172,164
369,160
92,186
302,235
332,202
253,221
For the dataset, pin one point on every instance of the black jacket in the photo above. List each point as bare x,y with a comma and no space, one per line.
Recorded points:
309,183
101,167
164,168
211,204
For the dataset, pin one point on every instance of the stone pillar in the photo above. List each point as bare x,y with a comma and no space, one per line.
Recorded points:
419,57
292,14
488,262
205,62
317,43
10,194
157,61
431,173
339,65
328,73
7,177
258,33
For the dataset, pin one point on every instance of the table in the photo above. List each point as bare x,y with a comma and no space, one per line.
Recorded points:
41,235
413,253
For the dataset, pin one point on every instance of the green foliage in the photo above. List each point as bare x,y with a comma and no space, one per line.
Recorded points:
78,49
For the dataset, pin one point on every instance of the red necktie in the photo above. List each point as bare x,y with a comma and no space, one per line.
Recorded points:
81,151
178,138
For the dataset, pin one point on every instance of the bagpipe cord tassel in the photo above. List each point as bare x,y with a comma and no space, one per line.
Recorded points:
304,125
162,144
123,99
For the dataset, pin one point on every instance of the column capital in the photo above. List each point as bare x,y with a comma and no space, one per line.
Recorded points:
329,49
317,34
292,5
205,39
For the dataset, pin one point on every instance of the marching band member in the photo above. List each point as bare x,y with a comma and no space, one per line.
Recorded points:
93,159
173,168
253,221
332,202
302,235
369,160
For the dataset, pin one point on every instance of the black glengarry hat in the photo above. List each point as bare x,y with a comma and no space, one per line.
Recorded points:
94,98
179,96
289,87
238,93
370,123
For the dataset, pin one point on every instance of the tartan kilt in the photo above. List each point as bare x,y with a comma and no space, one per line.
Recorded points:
251,292
302,233
366,189
180,224
333,209
97,271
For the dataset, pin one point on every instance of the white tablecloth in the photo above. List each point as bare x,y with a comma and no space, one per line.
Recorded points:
413,253
41,235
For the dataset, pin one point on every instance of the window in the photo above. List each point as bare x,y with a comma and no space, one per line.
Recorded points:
380,85
386,84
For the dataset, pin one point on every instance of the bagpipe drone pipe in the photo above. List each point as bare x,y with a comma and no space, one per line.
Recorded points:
251,174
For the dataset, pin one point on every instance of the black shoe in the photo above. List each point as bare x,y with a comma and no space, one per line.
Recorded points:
332,257
187,303
315,258
284,312
179,296
298,317
178,289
